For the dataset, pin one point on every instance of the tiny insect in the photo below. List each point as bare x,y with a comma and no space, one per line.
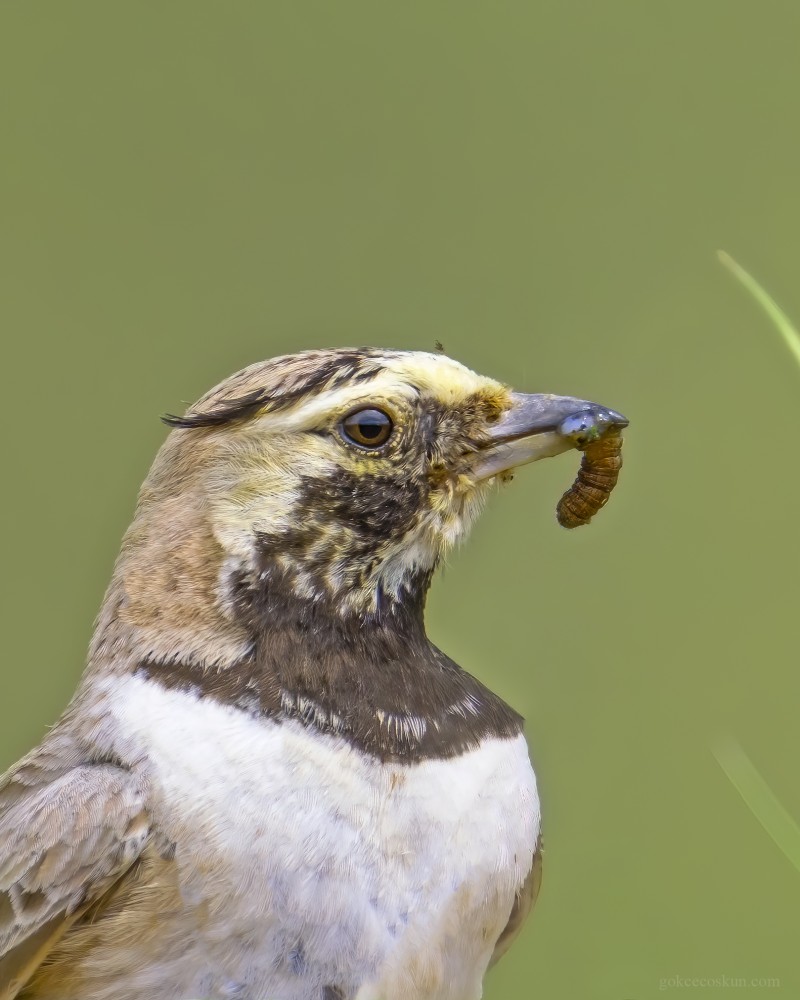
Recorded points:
599,470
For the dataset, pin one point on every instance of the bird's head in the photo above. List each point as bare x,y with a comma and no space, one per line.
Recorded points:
336,479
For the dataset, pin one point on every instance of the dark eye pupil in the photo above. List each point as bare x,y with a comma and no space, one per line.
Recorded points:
370,430
369,427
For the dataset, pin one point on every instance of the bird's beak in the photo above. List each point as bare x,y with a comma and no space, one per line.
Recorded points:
540,426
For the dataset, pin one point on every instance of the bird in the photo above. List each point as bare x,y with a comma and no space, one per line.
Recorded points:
270,784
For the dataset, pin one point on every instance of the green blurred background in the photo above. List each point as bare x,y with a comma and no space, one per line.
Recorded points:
190,187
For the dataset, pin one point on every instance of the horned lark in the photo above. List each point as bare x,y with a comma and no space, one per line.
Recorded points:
270,784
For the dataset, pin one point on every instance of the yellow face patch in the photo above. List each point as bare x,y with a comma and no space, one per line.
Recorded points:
337,516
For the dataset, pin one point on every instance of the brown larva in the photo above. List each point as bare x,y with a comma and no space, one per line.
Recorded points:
597,477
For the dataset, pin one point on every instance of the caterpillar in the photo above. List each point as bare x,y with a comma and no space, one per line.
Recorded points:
598,472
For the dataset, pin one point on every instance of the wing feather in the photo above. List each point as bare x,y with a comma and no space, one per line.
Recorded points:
67,833
523,904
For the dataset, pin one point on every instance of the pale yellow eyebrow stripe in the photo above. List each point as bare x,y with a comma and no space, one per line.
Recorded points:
741,771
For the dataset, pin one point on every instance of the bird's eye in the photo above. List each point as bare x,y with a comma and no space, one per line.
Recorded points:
368,428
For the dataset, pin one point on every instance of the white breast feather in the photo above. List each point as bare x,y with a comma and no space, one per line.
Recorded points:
321,865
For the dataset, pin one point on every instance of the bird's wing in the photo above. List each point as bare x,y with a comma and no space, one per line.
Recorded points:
66,835
523,904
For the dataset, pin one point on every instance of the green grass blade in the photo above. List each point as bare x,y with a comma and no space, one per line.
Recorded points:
738,767
782,322
760,798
